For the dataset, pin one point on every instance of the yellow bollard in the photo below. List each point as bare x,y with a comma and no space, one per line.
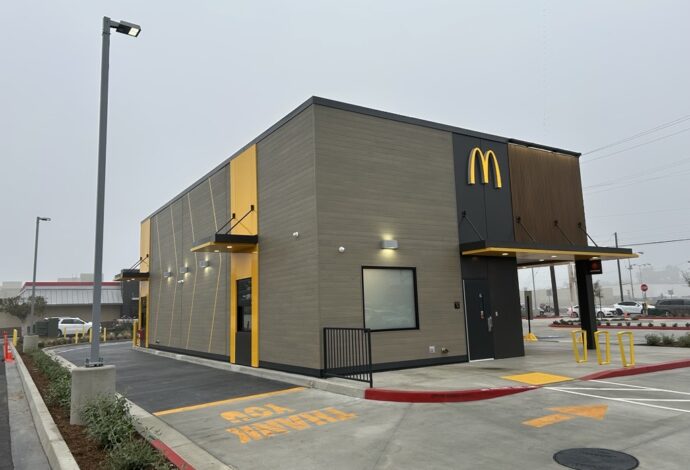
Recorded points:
579,336
134,332
76,337
14,337
624,358
104,335
603,362
90,335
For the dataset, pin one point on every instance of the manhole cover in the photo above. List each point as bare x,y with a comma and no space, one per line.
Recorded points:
595,459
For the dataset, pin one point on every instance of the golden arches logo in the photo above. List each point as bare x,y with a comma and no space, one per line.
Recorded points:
485,159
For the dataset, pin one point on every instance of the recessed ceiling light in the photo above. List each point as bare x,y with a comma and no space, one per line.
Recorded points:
229,246
554,256
216,251
504,254
541,260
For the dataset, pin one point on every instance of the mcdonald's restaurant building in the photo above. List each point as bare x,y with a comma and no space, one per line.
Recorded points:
344,216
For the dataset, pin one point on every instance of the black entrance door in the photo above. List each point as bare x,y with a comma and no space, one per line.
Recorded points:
243,338
143,325
480,321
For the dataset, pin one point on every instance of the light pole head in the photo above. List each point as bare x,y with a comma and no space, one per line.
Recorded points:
130,29
45,219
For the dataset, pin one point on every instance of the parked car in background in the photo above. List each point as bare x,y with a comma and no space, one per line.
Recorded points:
69,326
672,307
573,311
630,307
605,312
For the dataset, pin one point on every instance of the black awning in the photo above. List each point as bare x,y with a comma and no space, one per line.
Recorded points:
228,243
535,253
131,275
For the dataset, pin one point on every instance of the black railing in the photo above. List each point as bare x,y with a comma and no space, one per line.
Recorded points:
347,354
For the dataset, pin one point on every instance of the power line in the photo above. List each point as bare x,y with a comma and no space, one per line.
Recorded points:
640,134
629,183
659,242
638,145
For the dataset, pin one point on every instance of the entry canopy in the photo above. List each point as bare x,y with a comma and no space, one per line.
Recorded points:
535,254
228,243
131,275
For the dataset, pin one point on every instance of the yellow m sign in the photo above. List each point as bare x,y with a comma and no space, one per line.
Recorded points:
485,159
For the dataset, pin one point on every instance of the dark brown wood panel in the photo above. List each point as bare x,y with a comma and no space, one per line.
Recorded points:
545,187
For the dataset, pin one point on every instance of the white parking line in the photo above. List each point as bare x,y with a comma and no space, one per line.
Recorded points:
640,387
84,346
624,400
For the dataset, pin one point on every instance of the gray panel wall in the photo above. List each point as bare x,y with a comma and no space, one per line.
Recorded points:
375,178
193,315
289,326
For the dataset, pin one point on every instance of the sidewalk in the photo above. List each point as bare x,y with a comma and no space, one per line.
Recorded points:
22,439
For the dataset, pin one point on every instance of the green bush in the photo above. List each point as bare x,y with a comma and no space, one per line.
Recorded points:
135,454
675,325
608,323
620,324
683,341
687,325
653,339
663,325
59,390
668,340
627,323
108,420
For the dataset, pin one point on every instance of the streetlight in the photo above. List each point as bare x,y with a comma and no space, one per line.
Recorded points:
133,30
33,285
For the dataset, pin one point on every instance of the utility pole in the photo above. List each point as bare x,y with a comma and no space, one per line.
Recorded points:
618,262
632,291
554,290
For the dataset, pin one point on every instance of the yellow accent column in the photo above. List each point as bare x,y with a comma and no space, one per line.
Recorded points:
243,195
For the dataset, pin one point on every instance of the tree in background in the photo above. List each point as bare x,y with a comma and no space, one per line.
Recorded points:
596,287
20,308
686,277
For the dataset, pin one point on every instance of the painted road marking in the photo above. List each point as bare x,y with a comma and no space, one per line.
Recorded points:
537,378
566,413
229,400
282,425
634,401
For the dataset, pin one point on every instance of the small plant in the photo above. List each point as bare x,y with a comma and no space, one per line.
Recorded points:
653,339
663,325
108,420
620,324
687,325
135,454
668,340
608,323
683,341
627,323
650,324
675,325
639,325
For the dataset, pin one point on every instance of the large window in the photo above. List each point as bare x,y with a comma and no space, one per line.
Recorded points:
390,298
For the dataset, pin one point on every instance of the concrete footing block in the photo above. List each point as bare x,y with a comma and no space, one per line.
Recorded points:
87,384
30,343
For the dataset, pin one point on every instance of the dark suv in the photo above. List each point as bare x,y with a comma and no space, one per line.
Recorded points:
675,307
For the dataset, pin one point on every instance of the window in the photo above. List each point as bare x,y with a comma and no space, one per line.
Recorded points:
390,298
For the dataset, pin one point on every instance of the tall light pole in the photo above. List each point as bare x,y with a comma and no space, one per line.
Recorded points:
33,284
133,30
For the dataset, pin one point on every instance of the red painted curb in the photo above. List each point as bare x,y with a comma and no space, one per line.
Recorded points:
635,370
171,455
631,327
442,396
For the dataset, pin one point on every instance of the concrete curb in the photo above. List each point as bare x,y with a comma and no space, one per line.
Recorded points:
54,446
636,370
182,452
350,390
443,396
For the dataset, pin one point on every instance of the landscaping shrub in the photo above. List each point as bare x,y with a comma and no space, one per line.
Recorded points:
675,325
108,420
639,324
653,339
620,324
663,325
608,323
683,341
627,323
668,340
59,390
135,454
650,324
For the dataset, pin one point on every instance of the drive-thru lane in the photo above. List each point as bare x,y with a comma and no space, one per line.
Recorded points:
292,427
158,383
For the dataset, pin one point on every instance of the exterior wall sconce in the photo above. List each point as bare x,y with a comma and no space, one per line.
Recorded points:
181,281
204,263
295,234
341,249
167,274
389,244
184,269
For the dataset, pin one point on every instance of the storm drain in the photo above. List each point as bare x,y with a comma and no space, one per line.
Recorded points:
595,459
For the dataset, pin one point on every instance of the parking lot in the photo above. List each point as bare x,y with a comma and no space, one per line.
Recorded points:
255,425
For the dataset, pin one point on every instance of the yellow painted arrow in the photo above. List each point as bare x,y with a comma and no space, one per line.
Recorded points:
594,411
567,413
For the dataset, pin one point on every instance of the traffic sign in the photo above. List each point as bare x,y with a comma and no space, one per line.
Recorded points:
643,287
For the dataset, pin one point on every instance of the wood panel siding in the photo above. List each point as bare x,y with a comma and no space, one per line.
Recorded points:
376,179
546,186
290,333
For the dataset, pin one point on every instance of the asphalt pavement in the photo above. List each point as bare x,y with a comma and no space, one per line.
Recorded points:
5,441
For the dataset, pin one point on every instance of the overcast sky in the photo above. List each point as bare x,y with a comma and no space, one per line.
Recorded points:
206,77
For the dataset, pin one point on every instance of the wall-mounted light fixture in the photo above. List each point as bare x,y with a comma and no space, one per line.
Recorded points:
389,244
167,273
204,263
181,281
216,251
184,269
295,234
341,249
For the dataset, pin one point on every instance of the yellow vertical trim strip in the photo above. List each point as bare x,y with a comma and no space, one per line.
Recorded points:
215,301
255,308
233,307
175,270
